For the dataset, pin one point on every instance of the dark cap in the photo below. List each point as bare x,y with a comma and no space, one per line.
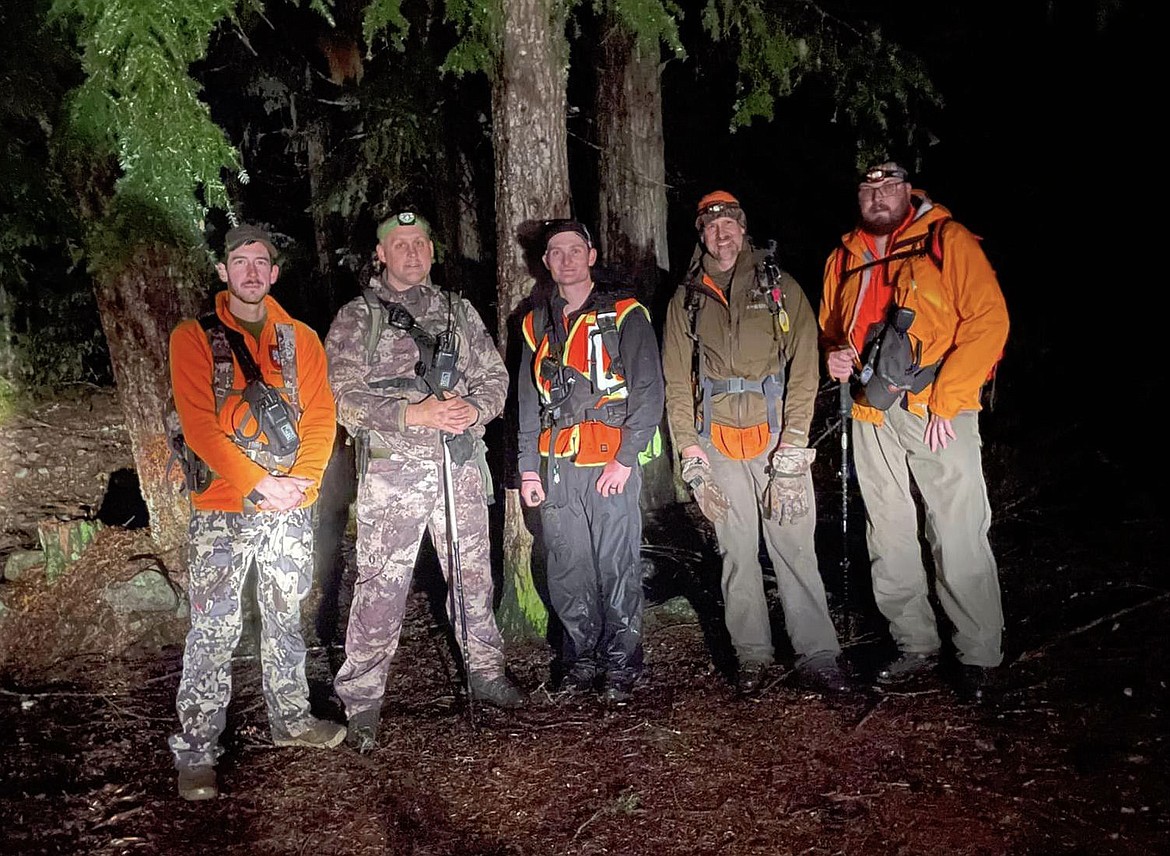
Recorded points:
881,172
243,234
716,204
403,218
555,227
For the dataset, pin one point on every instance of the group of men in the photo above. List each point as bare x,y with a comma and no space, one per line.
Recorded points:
911,317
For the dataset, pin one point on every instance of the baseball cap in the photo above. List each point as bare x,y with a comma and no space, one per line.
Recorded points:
716,204
555,227
246,233
403,218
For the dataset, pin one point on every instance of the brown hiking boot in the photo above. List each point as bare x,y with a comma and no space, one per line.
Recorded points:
362,733
498,691
906,666
198,783
750,677
320,734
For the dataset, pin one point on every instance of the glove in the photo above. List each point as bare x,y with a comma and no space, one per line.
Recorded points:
697,474
786,496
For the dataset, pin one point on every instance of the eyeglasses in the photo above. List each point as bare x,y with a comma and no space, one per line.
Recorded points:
880,191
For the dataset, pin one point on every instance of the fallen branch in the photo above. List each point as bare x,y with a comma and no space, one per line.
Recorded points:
1097,622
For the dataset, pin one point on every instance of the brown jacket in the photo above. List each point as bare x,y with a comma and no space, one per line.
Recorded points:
740,339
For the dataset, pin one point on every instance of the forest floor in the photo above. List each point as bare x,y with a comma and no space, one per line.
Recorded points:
1068,756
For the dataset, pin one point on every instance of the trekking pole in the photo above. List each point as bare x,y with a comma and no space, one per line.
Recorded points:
846,411
459,605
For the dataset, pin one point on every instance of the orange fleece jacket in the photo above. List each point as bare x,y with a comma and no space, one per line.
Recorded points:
210,433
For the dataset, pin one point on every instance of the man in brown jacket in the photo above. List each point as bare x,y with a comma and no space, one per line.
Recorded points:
741,365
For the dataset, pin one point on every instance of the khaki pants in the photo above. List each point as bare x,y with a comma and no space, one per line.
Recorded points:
957,516
792,551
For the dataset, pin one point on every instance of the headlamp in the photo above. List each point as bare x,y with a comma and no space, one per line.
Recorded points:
879,173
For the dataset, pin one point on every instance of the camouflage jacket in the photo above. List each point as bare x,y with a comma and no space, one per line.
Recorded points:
358,378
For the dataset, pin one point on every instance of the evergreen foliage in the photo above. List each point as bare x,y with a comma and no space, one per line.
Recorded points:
876,84
50,334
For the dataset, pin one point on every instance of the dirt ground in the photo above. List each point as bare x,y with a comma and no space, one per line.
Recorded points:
1069,756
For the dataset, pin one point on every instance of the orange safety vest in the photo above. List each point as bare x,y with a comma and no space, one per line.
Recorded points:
579,376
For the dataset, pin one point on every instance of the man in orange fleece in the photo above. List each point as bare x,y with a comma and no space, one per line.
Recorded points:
266,456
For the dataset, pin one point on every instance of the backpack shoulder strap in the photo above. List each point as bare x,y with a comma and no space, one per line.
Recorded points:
221,355
934,240
377,320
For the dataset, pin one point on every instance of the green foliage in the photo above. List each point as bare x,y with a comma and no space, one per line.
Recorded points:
478,24
136,56
876,84
384,18
10,401
651,22
50,335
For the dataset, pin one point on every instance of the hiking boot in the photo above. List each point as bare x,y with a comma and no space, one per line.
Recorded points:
198,783
906,666
498,691
617,694
824,675
580,680
975,684
361,734
320,734
750,677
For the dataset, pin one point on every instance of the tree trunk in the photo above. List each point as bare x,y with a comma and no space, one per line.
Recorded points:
632,188
529,104
139,306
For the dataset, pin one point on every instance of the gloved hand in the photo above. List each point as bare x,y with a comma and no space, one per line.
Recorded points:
697,474
786,496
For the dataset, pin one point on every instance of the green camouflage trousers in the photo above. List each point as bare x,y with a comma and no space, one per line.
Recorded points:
223,546
397,500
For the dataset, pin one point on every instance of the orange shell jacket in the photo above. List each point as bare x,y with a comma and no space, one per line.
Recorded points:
960,313
209,433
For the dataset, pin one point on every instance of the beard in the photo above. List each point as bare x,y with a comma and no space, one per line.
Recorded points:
884,220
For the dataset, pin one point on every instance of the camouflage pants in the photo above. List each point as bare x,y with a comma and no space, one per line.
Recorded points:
397,500
223,546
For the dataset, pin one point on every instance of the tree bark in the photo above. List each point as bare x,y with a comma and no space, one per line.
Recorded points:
529,105
632,189
139,305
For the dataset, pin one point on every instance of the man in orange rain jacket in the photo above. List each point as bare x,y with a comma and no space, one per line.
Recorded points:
265,472
741,364
912,310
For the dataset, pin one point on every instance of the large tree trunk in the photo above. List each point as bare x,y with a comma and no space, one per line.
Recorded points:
139,306
532,183
632,188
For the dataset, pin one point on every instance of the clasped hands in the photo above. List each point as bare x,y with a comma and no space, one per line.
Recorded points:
453,415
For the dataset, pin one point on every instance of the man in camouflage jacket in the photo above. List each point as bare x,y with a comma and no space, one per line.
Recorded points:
403,417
